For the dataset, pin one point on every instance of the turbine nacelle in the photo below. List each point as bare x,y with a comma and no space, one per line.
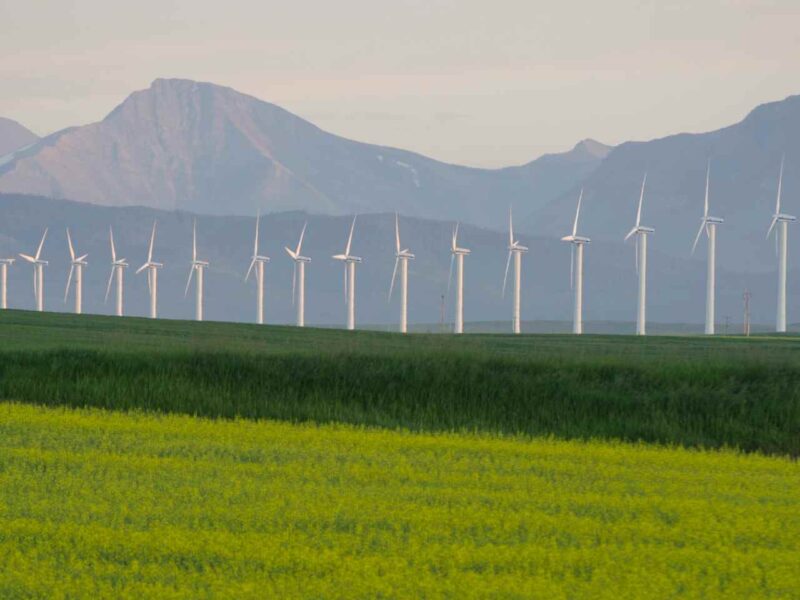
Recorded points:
405,254
639,231
347,258
784,217
717,220
7,261
576,239
517,247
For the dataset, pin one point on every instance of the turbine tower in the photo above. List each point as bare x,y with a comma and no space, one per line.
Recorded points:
152,275
199,266
401,257
458,255
38,273
258,262
641,261
299,278
76,266
117,267
349,278
4,263
709,224
782,220
576,269
517,249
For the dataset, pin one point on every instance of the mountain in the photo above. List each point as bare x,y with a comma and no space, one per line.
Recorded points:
675,292
184,145
14,136
745,160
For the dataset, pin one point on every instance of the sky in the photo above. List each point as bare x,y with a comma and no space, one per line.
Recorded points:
471,82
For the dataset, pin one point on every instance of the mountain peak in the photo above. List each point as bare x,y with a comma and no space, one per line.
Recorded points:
592,148
14,136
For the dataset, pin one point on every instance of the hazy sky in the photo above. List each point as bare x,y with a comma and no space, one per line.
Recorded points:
473,82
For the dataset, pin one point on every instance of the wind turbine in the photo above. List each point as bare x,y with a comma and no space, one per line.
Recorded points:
709,224
576,268
199,266
258,262
152,275
4,263
117,266
349,278
641,261
38,273
458,255
782,220
517,249
401,257
299,278
76,266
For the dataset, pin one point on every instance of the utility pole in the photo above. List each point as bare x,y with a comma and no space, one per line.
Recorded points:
746,297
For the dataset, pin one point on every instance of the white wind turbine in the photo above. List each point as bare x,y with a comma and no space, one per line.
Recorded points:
258,262
641,261
117,267
199,266
782,220
709,224
4,263
152,275
576,268
299,278
38,273
349,278
458,255
76,267
401,257
517,249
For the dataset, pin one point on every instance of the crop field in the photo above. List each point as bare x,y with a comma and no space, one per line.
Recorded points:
110,504
692,391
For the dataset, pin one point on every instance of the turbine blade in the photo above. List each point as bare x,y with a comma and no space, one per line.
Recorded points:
255,244
455,237
39,249
505,277
194,240
641,199
142,268
630,233
294,280
290,252
28,257
769,231
450,275
571,266
71,248
780,185
188,281
113,249
394,273
699,233
69,282
396,235
708,177
108,287
300,243
577,214
152,241
350,237
510,230
249,269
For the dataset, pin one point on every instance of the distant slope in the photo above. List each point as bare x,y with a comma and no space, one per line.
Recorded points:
14,136
744,171
675,292
209,149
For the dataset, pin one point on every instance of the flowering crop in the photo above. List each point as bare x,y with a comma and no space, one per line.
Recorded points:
103,504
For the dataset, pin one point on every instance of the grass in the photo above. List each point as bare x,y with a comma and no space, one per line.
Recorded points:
133,505
693,391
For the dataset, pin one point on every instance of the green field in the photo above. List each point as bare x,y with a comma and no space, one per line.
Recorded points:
692,391
113,505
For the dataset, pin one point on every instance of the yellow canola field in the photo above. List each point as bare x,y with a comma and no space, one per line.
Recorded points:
98,504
